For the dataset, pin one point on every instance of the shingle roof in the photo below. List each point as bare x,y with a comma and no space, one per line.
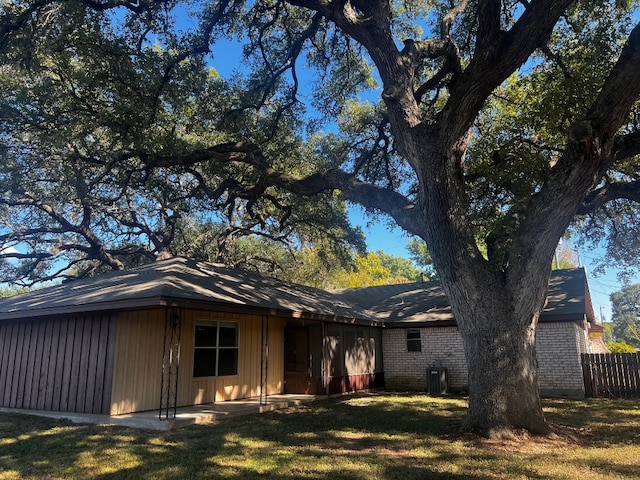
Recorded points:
185,281
426,303
214,286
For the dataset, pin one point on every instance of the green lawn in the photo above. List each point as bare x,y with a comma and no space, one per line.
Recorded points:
382,436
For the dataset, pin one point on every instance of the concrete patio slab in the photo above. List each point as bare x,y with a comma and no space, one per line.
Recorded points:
184,416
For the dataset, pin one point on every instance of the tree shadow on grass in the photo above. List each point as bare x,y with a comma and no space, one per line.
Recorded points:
330,440
596,422
384,436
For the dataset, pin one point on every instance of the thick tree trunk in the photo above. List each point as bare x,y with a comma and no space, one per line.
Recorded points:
496,303
497,319
503,377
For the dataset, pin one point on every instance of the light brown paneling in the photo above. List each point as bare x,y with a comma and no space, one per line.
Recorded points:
276,356
138,360
247,383
86,364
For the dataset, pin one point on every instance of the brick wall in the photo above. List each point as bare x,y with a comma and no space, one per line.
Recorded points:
408,370
558,345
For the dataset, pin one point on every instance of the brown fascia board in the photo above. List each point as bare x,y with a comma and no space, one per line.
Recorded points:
424,324
555,318
163,301
274,312
559,318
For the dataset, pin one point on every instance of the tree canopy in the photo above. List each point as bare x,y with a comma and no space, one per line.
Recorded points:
620,347
486,128
625,315
99,114
377,268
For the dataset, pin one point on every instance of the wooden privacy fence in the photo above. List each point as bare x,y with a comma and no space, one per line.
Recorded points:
611,374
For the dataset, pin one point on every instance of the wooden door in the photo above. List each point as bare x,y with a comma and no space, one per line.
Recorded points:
297,367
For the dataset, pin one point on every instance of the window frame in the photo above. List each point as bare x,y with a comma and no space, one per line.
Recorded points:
414,343
217,348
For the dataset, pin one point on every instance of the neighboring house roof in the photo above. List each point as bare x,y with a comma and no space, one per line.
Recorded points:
425,304
182,282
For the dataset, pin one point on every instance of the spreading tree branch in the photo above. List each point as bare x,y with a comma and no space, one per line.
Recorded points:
608,193
589,153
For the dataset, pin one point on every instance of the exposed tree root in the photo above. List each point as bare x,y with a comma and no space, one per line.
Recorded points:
521,440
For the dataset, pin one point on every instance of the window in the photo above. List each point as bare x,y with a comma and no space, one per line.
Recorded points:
414,344
216,349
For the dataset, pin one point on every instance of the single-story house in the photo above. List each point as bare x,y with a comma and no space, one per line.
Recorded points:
421,335
179,332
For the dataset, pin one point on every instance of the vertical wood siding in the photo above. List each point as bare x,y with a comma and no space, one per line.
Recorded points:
57,364
193,391
353,358
138,360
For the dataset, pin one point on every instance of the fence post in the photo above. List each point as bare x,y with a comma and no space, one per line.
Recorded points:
587,373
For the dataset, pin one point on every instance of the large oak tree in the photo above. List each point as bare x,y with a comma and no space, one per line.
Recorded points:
500,124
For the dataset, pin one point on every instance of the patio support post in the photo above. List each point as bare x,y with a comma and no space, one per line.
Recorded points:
170,363
264,361
325,355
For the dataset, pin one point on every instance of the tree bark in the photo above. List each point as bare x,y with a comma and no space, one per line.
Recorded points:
504,391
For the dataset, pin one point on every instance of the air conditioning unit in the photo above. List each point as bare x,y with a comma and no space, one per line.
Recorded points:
437,381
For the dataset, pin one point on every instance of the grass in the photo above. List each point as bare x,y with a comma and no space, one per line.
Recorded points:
386,436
